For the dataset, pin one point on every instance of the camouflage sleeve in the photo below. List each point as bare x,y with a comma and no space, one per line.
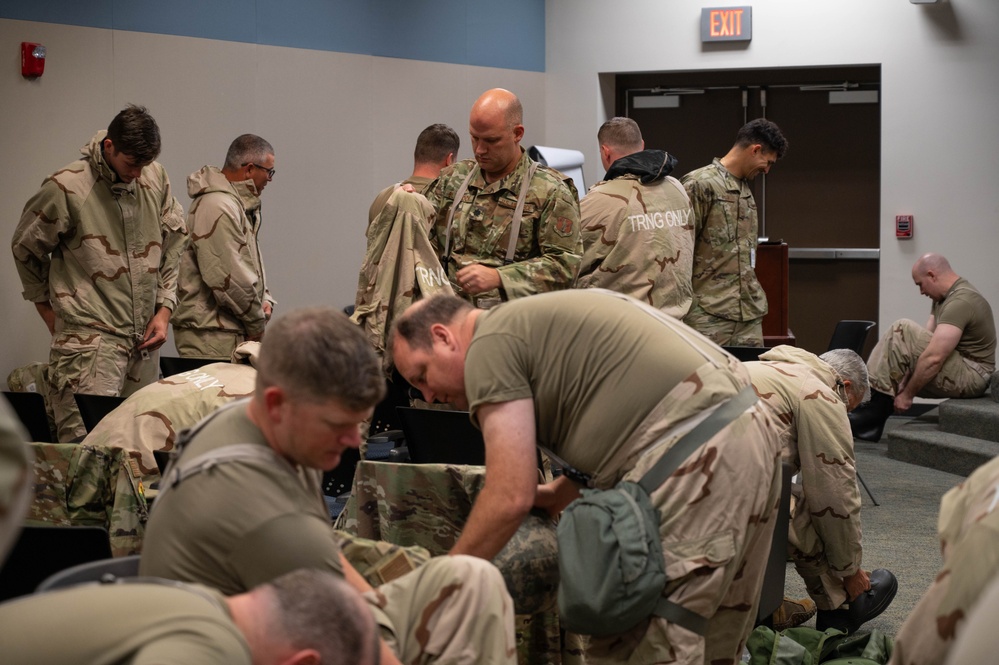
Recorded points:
45,218
437,222
560,245
174,242
829,480
595,218
700,201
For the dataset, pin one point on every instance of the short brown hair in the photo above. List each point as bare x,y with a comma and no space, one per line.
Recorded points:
620,133
135,133
414,324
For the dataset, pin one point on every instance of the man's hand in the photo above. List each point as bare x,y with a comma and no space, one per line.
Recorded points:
856,584
942,344
475,279
268,311
553,497
156,330
48,315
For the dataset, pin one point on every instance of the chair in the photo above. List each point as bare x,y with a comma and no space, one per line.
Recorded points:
852,334
772,594
746,353
103,570
30,409
41,551
94,407
170,365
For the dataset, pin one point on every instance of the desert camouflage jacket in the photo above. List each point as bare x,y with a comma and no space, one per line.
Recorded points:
725,232
222,284
548,245
638,235
801,392
103,253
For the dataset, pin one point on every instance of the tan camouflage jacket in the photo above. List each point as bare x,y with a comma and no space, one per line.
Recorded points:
419,183
399,267
222,284
638,239
105,254
725,231
800,390
548,247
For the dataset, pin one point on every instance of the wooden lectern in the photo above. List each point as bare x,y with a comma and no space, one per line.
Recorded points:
772,272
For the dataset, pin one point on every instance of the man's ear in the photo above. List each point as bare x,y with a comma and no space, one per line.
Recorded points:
274,399
449,160
441,333
518,132
303,657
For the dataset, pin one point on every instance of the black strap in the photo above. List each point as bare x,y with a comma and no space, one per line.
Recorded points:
681,616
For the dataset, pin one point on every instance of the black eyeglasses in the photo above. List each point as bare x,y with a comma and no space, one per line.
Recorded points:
270,172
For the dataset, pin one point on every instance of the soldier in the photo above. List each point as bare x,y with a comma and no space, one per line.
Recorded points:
969,541
609,384
15,477
638,237
504,226
729,302
809,397
97,250
222,293
254,517
307,616
953,356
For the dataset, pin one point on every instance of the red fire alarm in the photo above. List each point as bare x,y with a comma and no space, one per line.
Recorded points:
32,59
903,227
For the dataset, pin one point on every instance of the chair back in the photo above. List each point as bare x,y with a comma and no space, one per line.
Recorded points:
94,407
102,570
851,334
170,365
30,410
41,551
772,594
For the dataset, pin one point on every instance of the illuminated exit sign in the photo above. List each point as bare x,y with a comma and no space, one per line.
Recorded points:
726,24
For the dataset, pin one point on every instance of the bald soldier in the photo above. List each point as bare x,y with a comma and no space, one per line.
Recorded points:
638,235
609,384
504,226
953,356
285,622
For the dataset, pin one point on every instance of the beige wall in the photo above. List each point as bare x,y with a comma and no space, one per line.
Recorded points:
343,126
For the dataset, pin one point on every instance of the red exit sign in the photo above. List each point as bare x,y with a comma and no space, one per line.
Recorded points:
726,24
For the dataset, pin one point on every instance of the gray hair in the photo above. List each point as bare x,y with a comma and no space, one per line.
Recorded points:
316,354
247,149
850,367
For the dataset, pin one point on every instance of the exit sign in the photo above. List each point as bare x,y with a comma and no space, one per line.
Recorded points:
726,24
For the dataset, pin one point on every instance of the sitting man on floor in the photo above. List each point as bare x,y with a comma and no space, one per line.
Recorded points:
250,508
810,396
953,356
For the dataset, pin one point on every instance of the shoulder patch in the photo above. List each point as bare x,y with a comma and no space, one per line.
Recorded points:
563,226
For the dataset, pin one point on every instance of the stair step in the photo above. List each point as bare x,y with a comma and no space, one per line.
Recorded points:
976,418
923,443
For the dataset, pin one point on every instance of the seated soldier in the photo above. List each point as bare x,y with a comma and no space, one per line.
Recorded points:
154,621
259,514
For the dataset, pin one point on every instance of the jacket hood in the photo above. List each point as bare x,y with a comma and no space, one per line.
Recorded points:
93,153
209,179
648,165
792,354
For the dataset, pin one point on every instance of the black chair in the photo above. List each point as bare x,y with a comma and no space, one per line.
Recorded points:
772,594
851,334
103,570
41,551
30,410
94,407
746,354
170,365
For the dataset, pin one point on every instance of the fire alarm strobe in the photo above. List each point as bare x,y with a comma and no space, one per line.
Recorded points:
32,59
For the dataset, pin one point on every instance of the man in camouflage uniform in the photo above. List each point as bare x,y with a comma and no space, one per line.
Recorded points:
150,419
809,396
248,520
953,356
609,384
638,237
504,226
222,292
729,302
97,250
15,477
969,541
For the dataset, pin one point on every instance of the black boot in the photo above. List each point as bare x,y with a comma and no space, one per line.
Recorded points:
864,607
868,420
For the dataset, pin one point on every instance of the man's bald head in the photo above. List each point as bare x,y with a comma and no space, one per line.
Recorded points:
938,263
496,130
933,275
499,103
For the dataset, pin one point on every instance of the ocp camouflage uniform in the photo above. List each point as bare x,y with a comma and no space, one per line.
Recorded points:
729,302
150,419
969,537
105,255
222,287
638,236
15,477
400,266
809,408
548,245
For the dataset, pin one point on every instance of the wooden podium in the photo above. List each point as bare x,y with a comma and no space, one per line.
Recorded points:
772,272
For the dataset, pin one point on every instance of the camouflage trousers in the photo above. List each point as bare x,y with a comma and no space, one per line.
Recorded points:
212,344
453,609
718,511
807,551
725,332
89,361
895,356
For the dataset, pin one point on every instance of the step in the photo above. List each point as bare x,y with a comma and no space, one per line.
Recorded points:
922,442
976,418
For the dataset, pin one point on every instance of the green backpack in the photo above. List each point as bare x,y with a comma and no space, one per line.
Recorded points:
807,646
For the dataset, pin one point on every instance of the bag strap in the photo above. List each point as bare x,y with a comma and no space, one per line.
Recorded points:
248,452
681,616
